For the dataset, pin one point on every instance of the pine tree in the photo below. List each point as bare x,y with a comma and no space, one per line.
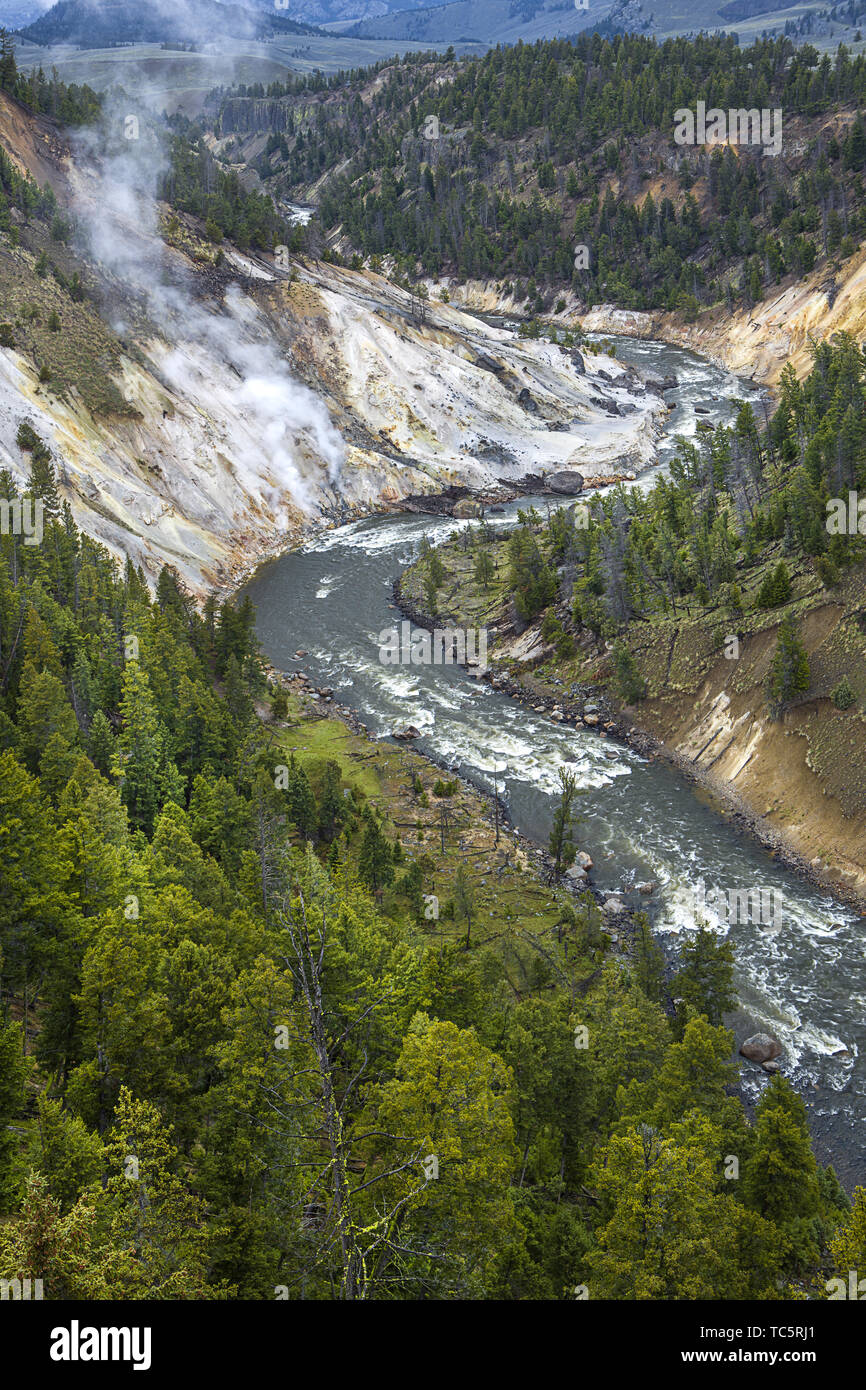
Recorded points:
789,672
303,812
705,978
464,900
8,65
13,1077
561,847
649,961
780,1180
375,861
139,750
101,743
43,482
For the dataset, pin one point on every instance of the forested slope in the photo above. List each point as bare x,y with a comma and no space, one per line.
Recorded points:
239,1058
542,148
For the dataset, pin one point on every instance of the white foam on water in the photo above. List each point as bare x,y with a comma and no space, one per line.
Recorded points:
327,584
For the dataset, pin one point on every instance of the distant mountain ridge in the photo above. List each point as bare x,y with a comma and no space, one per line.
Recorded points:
101,23
500,21
336,11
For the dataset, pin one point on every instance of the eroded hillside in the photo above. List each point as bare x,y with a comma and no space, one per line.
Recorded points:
204,409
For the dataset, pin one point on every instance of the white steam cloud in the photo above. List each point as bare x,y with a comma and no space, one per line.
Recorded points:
222,355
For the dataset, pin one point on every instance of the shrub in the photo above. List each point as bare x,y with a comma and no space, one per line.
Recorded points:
441,788
842,695
828,572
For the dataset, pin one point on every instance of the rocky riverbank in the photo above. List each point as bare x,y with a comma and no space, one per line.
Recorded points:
587,706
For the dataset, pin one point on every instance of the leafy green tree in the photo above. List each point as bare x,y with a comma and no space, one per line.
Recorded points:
331,802
484,569
36,913
450,1097
152,1214
43,710
66,1153
101,743
666,1232
848,1245
776,587
125,1031
649,961
628,681
70,1253
842,694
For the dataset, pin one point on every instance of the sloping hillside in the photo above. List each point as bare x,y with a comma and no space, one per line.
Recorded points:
100,23
554,170
481,19
205,413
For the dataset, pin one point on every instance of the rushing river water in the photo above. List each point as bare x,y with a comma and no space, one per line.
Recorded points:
801,976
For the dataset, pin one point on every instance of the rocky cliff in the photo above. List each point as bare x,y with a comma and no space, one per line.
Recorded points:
207,415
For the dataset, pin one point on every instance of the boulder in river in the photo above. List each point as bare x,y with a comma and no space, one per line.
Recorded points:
408,733
527,401
761,1047
567,481
466,506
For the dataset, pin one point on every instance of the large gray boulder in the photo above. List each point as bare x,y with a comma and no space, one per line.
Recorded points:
567,481
761,1047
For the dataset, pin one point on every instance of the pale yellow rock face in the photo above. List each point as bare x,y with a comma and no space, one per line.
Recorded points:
761,341
206,479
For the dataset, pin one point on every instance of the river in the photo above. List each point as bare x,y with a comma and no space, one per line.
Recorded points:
801,977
